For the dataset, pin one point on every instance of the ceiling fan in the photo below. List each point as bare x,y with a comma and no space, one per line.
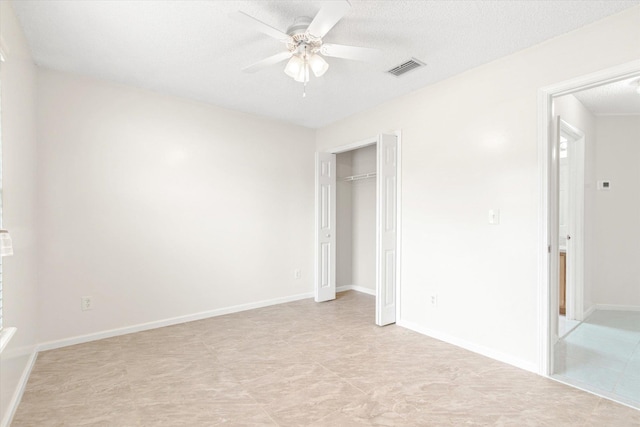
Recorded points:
303,40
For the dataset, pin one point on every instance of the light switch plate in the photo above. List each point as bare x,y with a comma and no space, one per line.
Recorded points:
494,216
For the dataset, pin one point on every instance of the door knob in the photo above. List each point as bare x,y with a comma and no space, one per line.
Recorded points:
328,235
568,237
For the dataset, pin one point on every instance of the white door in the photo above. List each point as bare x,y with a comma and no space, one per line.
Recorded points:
573,234
325,280
564,194
387,225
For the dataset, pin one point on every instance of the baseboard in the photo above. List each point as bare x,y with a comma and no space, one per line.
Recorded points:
615,307
50,345
356,288
19,391
5,336
485,351
589,312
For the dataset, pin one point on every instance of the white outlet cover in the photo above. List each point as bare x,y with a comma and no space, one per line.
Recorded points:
86,303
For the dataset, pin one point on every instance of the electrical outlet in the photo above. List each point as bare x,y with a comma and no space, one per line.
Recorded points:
433,300
86,303
297,274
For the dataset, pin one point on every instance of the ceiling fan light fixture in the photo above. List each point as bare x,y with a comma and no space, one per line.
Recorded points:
318,65
303,74
304,43
294,67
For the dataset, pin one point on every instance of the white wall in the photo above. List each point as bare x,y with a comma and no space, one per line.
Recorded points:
364,219
573,112
470,145
617,271
18,80
160,207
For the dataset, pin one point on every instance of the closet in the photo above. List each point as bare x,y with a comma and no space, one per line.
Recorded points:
356,220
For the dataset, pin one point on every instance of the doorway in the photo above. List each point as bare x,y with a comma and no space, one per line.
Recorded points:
356,220
600,355
383,152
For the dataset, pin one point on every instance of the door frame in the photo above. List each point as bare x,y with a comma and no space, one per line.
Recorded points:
365,143
548,221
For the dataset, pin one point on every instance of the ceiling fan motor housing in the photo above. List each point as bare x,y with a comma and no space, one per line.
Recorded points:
300,39
299,26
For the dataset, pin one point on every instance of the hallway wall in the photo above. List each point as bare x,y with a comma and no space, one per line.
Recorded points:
617,213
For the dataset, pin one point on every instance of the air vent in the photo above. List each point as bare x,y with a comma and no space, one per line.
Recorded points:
401,69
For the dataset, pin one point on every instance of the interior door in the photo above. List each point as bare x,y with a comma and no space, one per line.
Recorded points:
564,239
325,236
387,226
574,232
569,233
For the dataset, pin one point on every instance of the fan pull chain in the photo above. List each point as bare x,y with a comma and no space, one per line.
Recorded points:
306,73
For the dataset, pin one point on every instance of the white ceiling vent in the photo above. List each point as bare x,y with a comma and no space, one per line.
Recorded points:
401,69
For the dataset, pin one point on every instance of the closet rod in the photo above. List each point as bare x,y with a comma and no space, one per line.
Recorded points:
359,177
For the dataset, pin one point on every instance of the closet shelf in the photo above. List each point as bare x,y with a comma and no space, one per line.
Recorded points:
359,177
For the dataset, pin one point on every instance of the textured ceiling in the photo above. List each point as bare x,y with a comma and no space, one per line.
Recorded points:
619,98
193,48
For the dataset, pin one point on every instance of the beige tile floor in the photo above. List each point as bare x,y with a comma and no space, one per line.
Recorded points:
296,364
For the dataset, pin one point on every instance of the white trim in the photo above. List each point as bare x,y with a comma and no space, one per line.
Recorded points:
353,146
50,345
545,96
615,307
5,337
4,50
17,394
479,349
616,114
398,134
544,324
357,289
589,312
599,78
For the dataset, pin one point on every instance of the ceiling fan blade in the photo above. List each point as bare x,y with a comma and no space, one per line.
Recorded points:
327,17
349,52
274,59
258,25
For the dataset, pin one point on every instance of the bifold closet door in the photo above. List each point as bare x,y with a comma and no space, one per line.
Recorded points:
325,236
387,227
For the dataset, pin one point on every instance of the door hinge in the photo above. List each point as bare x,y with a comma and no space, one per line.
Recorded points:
549,249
